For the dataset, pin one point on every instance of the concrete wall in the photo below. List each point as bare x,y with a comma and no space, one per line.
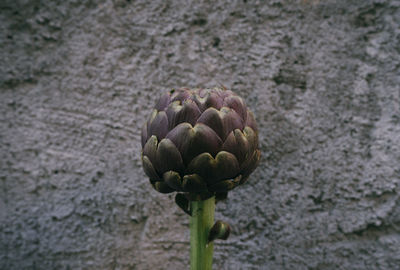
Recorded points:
78,79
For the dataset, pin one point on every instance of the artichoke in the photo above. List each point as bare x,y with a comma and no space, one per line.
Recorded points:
202,142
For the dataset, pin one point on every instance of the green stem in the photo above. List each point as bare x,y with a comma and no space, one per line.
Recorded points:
201,221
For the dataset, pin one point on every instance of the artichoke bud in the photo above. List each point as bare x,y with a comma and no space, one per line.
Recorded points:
200,142
220,230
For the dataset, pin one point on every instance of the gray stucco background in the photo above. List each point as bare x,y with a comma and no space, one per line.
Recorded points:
78,79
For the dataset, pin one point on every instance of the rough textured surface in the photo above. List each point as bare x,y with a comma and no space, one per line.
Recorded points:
77,79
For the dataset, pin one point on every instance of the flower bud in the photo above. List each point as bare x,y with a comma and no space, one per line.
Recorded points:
220,230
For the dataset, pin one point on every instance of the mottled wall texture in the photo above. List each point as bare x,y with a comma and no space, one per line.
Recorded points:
78,79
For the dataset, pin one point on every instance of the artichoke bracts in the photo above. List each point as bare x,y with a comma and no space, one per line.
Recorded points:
201,142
